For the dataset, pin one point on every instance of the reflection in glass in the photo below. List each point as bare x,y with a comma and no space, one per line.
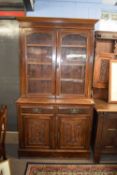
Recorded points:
73,54
40,54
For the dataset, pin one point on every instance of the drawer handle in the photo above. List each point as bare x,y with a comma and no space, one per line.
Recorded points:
36,110
113,129
74,111
109,146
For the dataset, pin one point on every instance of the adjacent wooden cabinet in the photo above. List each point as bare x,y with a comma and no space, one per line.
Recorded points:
106,135
55,108
105,114
105,50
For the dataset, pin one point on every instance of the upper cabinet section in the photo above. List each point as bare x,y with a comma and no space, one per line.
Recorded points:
56,57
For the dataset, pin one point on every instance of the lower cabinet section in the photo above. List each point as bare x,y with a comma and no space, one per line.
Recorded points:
57,130
106,138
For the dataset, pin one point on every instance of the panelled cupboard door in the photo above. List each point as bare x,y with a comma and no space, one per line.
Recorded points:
38,131
39,63
101,70
73,59
73,131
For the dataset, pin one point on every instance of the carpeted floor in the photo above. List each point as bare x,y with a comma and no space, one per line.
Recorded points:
69,169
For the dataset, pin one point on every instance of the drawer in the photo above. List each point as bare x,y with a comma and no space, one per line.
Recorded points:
110,121
38,109
73,110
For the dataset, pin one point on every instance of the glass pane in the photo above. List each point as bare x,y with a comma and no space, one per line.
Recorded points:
41,54
39,86
69,54
73,72
72,87
39,71
40,38
74,39
73,64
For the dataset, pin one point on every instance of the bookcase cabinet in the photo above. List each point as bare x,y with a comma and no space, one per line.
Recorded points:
55,107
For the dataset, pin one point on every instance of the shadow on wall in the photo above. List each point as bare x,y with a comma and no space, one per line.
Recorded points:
9,68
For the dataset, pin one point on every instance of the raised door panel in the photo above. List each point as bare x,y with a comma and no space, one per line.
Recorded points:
38,131
109,133
73,131
101,69
39,64
72,59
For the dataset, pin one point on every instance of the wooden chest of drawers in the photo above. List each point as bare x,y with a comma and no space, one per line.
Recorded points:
106,136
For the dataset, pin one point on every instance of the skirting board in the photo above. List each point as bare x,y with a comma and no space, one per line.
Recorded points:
11,137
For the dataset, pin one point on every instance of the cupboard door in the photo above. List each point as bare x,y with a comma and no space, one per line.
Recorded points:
40,63
73,131
109,133
101,70
38,131
73,54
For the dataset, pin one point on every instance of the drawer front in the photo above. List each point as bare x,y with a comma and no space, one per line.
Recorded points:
74,110
110,131
38,109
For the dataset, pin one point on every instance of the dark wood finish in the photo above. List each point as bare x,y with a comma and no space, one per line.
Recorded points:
101,70
44,127
38,131
58,61
106,142
56,70
3,123
72,131
105,50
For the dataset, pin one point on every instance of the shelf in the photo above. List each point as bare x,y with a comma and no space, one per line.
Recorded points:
73,64
39,63
39,79
73,46
39,45
73,80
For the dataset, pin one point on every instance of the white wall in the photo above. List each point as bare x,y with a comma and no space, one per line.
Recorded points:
75,9
66,8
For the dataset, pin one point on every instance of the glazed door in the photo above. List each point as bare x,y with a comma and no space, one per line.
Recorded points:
39,64
72,61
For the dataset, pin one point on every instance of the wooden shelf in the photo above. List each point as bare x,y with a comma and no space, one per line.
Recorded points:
40,79
73,46
73,80
39,45
73,64
39,63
